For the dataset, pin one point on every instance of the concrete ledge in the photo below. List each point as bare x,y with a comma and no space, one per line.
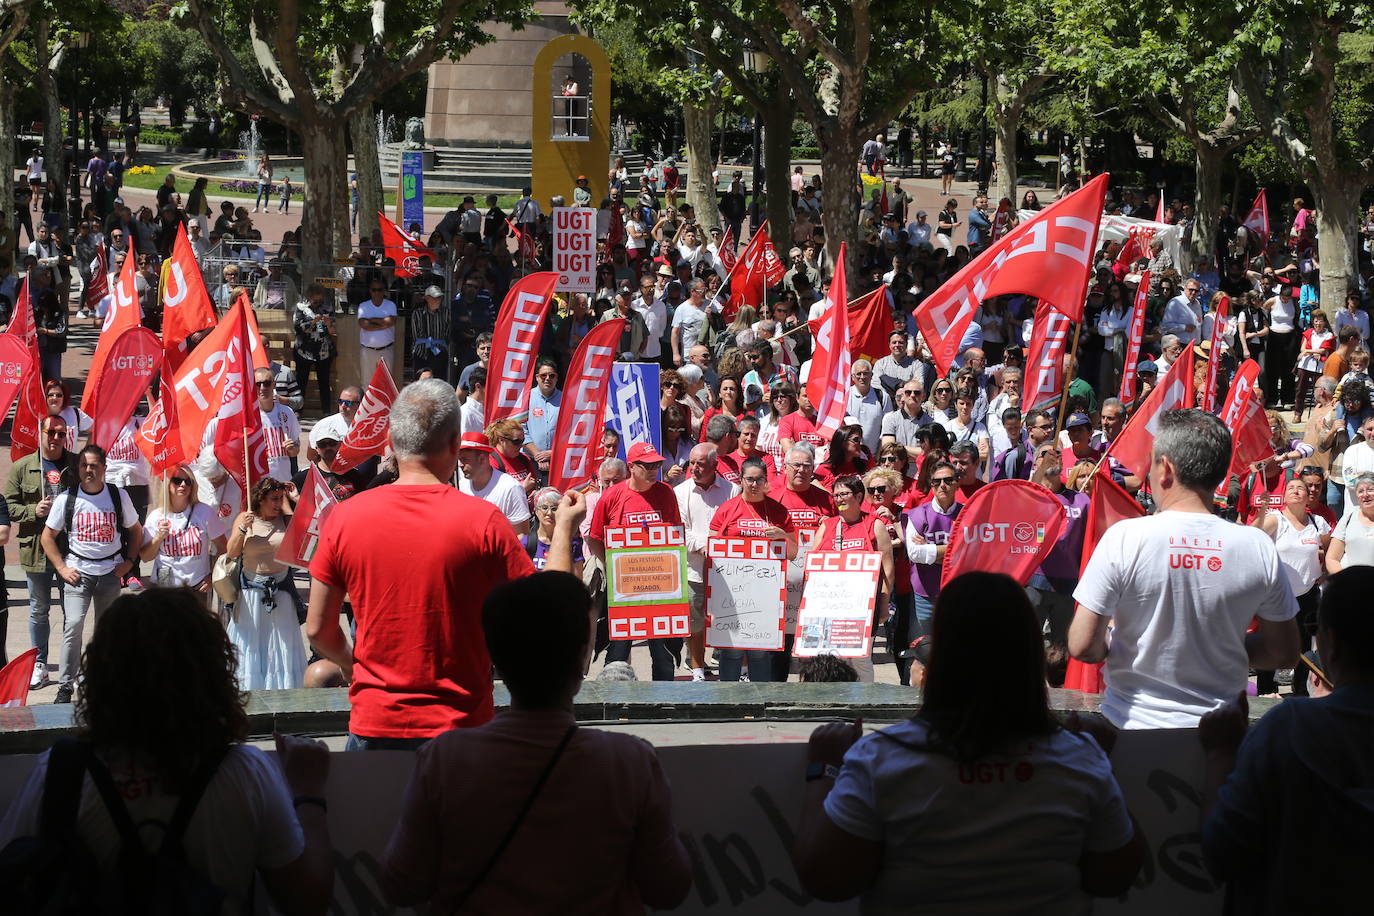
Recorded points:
29,729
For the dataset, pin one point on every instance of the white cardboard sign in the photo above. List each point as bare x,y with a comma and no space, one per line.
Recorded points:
746,593
574,248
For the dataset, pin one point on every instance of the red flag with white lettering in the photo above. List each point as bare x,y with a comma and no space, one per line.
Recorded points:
32,407
524,243
99,286
577,437
827,387
240,442
14,365
1136,246
125,312
186,306
1008,526
726,251
15,679
1134,335
1209,397
1243,414
1045,364
1257,220
130,365
371,429
402,247
302,536
159,438
1049,256
515,346
757,268
1132,446
201,382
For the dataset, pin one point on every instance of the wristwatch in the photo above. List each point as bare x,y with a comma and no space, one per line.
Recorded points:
816,770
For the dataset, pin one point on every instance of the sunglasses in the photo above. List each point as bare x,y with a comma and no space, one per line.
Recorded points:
942,481
55,433
875,491
181,481
262,384
346,402
893,459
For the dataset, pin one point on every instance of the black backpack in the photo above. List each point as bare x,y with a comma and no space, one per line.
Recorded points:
116,499
53,873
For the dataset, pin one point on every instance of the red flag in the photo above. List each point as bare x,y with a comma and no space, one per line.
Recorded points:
1132,446
882,200
524,243
757,268
1136,246
1209,396
1243,414
1045,364
1159,210
159,438
130,365
577,437
368,436
726,251
515,346
124,313
15,362
827,387
99,287
870,325
186,306
1257,220
240,445
15,677
201,382
32,405
302,536
1007,527
1049,256
402,247
1134,334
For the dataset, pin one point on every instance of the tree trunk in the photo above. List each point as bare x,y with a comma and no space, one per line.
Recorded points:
777,166
1005,121
7,143
368,167
839,212
52,114
1208,162
1338,214
701,192
324,214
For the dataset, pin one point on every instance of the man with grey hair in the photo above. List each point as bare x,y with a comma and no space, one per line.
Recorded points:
698,498
417,558
866,404
689,322
1170,346
807,505
722,433
1182,586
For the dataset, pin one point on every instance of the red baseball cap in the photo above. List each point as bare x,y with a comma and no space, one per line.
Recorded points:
476,440
642,453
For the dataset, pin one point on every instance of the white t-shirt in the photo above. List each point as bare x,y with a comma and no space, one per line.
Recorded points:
1299,551
692,320
78,423
35,167
93,542
1182,587
1356,460
473,412
503,492
185,551
124,463
244,821
1358,538
379,339
1001,835
279,424
655,315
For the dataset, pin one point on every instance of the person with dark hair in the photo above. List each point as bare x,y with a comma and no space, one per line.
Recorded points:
163,733
1287,820
264,622
101,537
981,802
483,803
826,669
847,455
1182,586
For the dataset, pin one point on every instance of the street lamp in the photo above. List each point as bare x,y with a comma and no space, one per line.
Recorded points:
755,61
78,42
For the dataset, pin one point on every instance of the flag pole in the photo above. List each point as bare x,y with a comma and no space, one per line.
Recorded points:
1064,395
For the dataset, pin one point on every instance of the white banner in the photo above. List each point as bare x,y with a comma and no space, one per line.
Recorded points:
746,591
574,249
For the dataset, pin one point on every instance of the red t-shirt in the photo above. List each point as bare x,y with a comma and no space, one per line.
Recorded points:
826,476
795,427
521,468
858,536
417,562
966,490
808,508
740,519
1324,511
727,466
623,507
770,465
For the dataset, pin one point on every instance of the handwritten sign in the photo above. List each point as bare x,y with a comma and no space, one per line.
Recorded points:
574,248
836,613
746,593
646,582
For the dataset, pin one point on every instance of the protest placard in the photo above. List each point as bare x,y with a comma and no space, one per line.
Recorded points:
574,248
836,613
646,582
746,593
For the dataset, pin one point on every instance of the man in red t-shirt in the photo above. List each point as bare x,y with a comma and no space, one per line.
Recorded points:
641,500
964,457
749,446
807,506
800,424
417,558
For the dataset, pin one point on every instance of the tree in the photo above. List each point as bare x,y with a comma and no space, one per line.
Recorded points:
322,64
14,16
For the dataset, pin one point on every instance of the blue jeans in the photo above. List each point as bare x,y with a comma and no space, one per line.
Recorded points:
760,664
925,613
40,606
263,195
1335,497
361,743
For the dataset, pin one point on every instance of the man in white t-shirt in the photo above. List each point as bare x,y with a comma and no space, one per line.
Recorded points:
649,304
1180,588
337,425
104,533
280,427
480,479
376,331
689,322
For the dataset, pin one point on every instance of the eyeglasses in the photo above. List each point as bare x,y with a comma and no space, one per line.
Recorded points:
545,508
781,397
863,374
1310,470
55,433
943,390
544,376
649,465
942,481
1043,426
754,481
181,482
676,386
800,465
515,442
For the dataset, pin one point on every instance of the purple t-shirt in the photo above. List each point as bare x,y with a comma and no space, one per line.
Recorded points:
541,551
1067,554
934,526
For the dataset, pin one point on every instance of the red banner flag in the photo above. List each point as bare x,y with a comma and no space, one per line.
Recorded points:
302,536
125,312
827,387
1136,246
201,382
99,286
15,678
1159,210
726,251
402,247
159,438
1049,256
757,268
130,365
1134,335
1008,527
1243,414
240,442
524,243
870,325
1045,364
15,363
186,306
1209,396
515,346
1132,446
32,405
577,437
1257,220
371,429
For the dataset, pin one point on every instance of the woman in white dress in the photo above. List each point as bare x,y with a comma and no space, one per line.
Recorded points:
263,623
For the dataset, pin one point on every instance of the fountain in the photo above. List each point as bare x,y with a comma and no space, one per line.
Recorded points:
248,142
386,131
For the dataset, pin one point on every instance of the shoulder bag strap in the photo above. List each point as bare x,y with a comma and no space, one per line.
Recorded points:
62,788
190,799
481,875
114,804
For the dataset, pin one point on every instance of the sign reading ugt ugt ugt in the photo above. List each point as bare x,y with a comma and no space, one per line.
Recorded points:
574,248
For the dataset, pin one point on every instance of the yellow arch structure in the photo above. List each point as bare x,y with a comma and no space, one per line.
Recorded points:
556,161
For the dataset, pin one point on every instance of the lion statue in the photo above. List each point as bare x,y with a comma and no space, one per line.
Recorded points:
415,133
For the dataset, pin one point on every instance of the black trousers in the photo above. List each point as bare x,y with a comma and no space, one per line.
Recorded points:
321,369
1307,628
